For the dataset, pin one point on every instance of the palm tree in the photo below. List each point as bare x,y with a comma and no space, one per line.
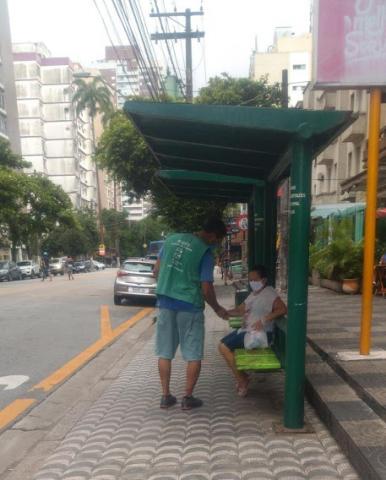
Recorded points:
94,97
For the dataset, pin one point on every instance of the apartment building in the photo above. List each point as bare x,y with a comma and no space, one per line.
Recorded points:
136,210
288,52
56,141
339,173
9,126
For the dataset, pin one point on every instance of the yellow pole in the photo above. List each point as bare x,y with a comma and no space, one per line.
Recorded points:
371,207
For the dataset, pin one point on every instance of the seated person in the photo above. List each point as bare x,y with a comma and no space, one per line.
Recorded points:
259,310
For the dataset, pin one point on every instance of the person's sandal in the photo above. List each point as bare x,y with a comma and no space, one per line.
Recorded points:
191,402
168,401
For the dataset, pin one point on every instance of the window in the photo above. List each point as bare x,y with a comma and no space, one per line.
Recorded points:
329,173
352,101
358,159
3,125
299,66
349,165
2,100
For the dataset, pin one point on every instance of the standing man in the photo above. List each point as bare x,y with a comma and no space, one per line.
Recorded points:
185,282
45,267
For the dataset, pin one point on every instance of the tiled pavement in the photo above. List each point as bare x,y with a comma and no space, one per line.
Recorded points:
350,396
126,436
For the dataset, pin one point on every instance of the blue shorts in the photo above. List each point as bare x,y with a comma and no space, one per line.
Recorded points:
180,328
236,340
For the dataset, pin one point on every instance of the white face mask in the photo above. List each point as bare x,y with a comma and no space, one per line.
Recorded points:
256,286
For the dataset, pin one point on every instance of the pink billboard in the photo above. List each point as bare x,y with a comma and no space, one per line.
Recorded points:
350,43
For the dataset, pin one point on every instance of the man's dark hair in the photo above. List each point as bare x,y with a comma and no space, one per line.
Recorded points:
261,270
215,225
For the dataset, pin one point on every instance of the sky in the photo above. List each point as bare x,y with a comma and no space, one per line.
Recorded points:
73,28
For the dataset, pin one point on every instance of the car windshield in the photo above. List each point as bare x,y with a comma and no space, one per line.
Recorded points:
3,264
138,267
23,264
55,260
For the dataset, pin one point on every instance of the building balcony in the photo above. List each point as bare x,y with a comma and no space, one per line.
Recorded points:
356,133
327,156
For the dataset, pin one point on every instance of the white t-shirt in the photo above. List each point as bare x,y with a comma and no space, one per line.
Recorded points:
258,305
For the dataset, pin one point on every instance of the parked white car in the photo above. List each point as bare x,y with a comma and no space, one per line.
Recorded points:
98,265
29,268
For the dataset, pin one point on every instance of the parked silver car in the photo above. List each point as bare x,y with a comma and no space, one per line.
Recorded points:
135,279
29,268
9,271
57,265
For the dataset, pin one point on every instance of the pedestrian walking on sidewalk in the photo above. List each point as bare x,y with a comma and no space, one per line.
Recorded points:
185,282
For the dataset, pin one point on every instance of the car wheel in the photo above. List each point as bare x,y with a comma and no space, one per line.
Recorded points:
117,300
9,278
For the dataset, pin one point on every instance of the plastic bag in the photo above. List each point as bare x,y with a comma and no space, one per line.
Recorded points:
255,339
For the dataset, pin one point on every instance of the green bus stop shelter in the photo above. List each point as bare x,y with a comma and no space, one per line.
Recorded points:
241,154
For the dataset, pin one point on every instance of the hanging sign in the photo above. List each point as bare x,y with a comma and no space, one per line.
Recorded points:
349,43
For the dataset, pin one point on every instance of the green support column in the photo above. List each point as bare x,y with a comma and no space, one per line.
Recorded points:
251,235
270,214
297,283
259,225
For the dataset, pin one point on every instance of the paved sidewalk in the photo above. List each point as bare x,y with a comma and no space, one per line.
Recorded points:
125,436
350,396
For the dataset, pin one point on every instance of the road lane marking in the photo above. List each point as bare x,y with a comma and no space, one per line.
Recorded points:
13,381
82,358
106,330
14,409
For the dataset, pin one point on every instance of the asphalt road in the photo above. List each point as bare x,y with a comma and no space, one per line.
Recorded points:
43,325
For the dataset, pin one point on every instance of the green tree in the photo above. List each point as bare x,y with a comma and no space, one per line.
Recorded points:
226,90
81,238
9,159
142,232
31,205
124,154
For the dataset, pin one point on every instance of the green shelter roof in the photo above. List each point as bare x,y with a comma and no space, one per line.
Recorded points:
231,141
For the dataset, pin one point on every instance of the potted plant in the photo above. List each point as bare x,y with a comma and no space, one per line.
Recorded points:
352,269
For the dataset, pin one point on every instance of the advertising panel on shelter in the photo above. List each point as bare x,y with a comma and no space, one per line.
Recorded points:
349,43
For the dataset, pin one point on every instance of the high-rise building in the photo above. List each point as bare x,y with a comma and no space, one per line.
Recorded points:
56,141
9,126
288,52
121,70
136,210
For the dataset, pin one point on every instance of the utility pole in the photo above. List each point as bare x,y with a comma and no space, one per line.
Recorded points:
188,35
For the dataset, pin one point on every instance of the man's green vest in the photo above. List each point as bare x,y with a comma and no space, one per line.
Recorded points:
179,275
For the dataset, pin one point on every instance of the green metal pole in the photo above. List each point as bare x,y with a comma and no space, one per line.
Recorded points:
297,284
270,214
251,235
259,224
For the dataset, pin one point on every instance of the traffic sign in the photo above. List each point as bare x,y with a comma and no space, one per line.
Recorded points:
242,222
102,250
